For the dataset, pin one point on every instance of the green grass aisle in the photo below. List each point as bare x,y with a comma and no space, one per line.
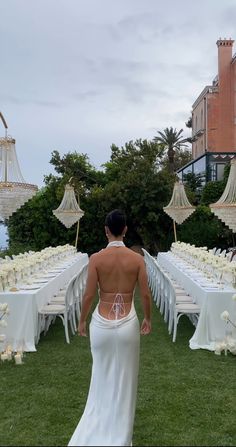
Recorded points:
184,397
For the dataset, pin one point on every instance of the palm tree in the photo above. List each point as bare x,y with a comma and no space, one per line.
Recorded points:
171,139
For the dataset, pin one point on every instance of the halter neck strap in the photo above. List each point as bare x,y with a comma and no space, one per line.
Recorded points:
116,244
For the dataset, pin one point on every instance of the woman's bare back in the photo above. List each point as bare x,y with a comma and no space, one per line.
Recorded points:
117,271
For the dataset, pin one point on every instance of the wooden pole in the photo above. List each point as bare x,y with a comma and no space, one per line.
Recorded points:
175,230
77,235
77,229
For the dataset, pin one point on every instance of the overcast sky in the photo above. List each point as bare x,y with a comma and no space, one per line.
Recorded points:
83,74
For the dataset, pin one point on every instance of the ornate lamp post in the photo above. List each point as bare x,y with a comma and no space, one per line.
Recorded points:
225,207
179,207
69,210
14,191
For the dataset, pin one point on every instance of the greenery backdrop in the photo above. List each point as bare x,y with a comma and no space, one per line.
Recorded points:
138,179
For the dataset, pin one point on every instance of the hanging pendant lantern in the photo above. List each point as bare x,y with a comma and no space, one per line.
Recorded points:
14,191
225,207
179,208
68,211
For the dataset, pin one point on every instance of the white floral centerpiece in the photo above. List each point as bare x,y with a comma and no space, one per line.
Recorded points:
8,353
229,342
4,311
24,265
205,261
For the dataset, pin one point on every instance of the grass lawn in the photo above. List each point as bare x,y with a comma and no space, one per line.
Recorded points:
185,397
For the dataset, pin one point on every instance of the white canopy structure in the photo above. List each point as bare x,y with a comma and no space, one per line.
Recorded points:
225,207
68,211
14,191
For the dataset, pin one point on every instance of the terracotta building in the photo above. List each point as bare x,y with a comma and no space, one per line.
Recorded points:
214,120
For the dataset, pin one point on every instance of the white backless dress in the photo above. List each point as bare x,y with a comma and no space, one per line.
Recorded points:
108,416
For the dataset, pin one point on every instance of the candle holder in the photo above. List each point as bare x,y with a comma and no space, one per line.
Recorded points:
18,357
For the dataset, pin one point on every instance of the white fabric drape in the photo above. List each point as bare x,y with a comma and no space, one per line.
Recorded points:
110,409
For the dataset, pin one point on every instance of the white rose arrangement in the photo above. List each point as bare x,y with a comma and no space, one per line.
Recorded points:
229,343
25,264
206,261
4,311
8,354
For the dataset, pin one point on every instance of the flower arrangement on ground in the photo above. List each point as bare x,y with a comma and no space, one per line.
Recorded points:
229,342
8,353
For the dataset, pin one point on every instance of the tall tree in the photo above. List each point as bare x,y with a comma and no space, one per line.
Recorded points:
171,139
138,185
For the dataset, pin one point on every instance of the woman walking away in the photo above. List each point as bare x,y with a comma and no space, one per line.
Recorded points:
108,416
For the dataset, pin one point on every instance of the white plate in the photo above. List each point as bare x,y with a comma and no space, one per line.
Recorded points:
29,287
50,275
58,269
209,286
40,281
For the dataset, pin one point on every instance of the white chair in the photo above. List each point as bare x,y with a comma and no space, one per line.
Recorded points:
158,288
64,310
217,252
233,257
228,256
152,277
181,297
60,297
177,309
79,288
223,253
212,250
150,269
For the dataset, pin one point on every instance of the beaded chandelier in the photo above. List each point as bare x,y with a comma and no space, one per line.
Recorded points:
179,207
225,207
68,211
14,191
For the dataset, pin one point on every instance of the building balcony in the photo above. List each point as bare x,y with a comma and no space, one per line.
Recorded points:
197,134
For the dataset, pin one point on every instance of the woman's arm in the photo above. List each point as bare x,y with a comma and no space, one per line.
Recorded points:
145,297
89,294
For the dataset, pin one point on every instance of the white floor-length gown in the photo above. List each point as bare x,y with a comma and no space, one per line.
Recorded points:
108,416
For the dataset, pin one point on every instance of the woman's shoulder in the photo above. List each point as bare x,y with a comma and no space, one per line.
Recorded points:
97,254
135,254
128,251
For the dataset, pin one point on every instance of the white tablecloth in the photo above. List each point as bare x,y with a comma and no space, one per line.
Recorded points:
212,300
22,322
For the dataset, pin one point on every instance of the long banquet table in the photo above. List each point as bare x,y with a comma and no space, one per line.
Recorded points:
212,298
22,321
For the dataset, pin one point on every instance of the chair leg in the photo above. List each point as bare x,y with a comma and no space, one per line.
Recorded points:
40,319
176,320
170,324
74,318
66,328
48,321
162,303
72,327
166,312
77,311
175,326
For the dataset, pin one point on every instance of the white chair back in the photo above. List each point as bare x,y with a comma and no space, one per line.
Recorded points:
79,288
217,252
